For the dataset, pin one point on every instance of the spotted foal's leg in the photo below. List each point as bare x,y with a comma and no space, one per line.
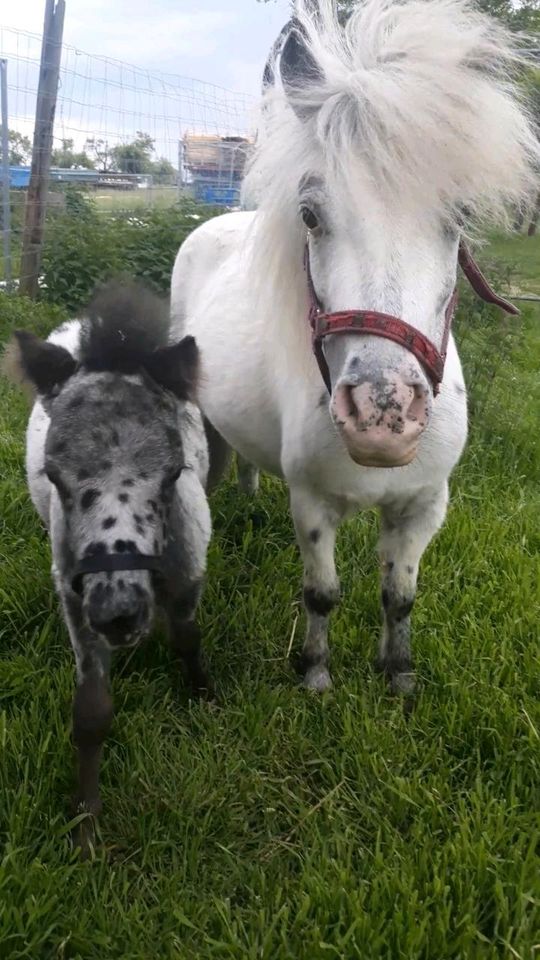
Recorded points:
185,639
406,531
316,524
92,716
248,476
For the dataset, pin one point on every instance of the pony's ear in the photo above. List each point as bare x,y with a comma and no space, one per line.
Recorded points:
176,368
299,72
37,364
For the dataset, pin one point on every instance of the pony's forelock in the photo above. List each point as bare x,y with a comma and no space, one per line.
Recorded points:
124,323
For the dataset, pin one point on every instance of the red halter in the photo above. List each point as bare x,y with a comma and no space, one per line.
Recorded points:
392,328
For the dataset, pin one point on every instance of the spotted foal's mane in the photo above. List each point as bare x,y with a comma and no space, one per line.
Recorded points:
124,324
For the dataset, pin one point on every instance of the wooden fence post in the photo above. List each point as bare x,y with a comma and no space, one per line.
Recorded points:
36,198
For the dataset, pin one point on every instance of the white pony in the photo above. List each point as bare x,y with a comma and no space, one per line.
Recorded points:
382,139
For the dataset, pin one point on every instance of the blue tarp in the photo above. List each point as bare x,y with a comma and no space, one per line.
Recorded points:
19,177
215,195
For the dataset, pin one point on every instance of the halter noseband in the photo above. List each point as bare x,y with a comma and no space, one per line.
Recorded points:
113,563
371,322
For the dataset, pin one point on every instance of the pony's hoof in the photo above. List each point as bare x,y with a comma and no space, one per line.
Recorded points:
249,486
83,838
248,478
403,684
317,679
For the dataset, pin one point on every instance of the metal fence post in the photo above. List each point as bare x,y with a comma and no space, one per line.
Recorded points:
6,208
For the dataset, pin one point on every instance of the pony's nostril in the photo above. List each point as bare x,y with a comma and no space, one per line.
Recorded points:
122,625
343,404
418,409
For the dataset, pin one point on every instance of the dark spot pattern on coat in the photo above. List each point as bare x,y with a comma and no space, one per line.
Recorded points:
109,523
96,549
88,498
317,602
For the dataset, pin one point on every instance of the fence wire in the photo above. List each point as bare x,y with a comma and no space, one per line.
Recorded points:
127,137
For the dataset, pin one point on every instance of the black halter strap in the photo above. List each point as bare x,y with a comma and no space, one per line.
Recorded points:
113,563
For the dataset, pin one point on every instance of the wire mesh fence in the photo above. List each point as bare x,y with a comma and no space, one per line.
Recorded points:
125,138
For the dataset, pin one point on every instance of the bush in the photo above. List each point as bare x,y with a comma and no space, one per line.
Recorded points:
84,248
17,313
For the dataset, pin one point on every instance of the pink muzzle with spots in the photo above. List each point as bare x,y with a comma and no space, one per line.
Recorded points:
381,424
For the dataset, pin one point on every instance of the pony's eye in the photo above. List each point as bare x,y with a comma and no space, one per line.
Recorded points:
52,473
309,218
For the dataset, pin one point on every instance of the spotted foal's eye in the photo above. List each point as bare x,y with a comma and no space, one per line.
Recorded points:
309,218
172,477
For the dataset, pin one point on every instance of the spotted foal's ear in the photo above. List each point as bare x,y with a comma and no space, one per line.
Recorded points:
36,363
176,368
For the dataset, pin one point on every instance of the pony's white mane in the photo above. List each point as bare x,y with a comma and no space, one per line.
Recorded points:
421,94
418,99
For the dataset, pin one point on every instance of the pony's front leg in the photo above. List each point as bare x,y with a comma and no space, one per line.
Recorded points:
92,717
406,530
316,524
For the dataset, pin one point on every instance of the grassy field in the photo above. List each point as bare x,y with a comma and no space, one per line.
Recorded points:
280,826
109,201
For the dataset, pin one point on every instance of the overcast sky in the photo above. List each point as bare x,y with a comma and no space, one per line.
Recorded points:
218,41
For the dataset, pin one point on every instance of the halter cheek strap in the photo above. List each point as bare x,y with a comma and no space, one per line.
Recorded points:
113,563
371,322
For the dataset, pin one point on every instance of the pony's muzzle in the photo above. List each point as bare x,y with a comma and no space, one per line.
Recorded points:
381,422
121,615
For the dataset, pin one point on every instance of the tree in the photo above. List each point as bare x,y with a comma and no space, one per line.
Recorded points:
66,158
20,149
134,157
101,152
162,171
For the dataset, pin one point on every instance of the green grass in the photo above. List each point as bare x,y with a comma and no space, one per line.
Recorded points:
112,200
522,254
280,825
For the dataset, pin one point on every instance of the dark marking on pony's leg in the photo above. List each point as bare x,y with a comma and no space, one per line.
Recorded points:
92,719
406,530
319,603
321,587
395,659
315,658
